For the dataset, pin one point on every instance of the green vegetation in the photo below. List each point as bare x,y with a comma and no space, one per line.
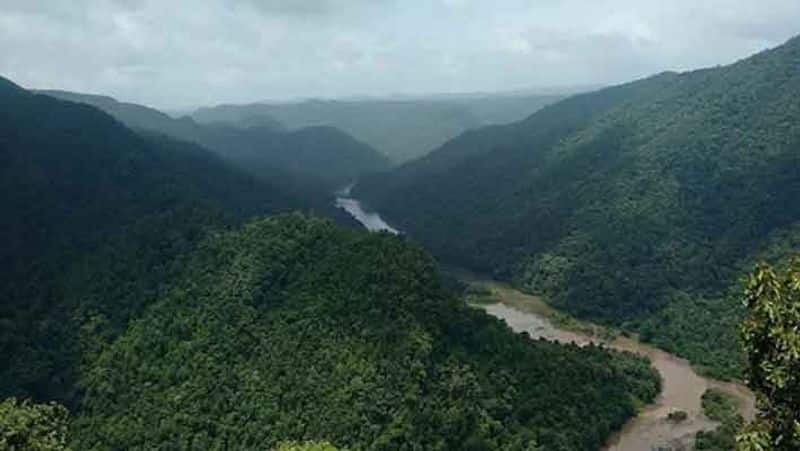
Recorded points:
479,295
638,206
719,406
306,446
135,296
95,218
771,336
26,426
323,158
400,129
293,328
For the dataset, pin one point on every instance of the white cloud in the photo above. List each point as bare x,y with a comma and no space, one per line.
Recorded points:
190,52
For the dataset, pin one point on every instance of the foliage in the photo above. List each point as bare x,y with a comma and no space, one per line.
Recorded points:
306,446
719,406
133,295
322,158
295,329
771,335
625,205
25,426
94,217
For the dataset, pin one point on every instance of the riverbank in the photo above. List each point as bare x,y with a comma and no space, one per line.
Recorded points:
682,387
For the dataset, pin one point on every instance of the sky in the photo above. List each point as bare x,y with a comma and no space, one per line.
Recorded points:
186,53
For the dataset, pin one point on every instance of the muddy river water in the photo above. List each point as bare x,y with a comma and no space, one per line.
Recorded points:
682,387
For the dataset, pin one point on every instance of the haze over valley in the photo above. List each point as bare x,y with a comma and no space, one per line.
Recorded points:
446,225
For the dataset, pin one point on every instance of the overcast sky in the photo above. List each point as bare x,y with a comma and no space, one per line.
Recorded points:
180,53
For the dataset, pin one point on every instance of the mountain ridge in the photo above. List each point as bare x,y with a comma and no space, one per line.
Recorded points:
623,203
265,149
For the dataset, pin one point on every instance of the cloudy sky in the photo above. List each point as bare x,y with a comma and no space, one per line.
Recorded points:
181,53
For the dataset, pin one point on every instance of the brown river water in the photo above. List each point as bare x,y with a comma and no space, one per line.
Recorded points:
682,387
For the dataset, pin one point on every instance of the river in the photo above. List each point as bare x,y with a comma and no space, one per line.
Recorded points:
682,387
370,220
681,390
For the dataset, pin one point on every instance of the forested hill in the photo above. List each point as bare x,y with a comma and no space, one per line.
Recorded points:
320,158
75,182
133,294
295,329
402,129
638,205
142,117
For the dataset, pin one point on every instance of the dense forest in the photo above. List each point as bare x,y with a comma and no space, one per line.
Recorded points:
138,297
74,182
321,157
293,328
402,129
639,205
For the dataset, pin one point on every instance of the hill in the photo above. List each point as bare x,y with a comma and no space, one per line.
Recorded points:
402,129
638,205
295,329
93,215
133,294
320,157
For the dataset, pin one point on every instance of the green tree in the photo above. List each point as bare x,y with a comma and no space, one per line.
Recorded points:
33,427
771,336
306,446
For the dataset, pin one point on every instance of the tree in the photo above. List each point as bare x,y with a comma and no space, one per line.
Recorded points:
33,427
771,337
306,446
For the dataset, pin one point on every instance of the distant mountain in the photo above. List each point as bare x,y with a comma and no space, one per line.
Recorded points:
401,129
75,182
134,292
638,205
142,117
323,156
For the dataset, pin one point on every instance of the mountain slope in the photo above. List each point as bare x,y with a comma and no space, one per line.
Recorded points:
638,205
133,296
90,205
142,117
313,158
401,129
293,329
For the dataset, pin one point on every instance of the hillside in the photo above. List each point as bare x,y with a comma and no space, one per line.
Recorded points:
294,329
75,182
322,158
400,129
638,205
134,295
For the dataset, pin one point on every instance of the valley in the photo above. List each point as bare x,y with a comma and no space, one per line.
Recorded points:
400,226
682,387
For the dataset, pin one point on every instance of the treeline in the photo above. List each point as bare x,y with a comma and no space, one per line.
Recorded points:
134,297
639,205
310,161
293,328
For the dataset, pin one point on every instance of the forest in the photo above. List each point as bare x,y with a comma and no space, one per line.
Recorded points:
640,206
194,280
320,157
146,308
402,129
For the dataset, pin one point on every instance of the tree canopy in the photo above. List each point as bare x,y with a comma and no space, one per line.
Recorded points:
638,205
771,336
